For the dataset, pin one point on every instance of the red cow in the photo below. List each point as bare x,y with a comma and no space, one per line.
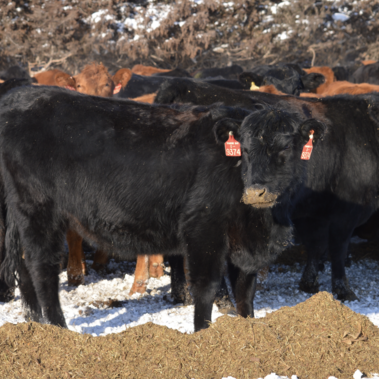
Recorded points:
55,78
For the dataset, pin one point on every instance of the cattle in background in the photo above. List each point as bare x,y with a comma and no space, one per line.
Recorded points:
230,72
177,72
330,194
344,87
136,179
140,69
55,77
366,74
14,72
94,80
289,79
369,61
328,74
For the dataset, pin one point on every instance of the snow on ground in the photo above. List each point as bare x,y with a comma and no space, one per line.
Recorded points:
86,308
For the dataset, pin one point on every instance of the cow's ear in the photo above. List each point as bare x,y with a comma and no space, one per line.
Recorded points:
223,127
318,130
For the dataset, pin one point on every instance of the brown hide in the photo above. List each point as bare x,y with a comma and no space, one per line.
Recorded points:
55,78
146,98
140,69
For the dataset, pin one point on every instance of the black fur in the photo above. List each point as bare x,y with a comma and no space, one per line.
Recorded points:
134,178
230,72
335,191
14,72
366,74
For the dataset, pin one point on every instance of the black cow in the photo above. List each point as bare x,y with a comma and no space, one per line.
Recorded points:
182,90
315,211
14,72
290,79
175,73
134,178
327,196
140,85
366,74
230,72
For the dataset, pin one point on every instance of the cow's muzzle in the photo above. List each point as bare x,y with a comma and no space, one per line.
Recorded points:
259,197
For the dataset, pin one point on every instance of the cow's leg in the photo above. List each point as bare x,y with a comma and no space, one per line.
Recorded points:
338,244
179,286
206,256
244,287
43,249
141,275
100,260
75,268
314,233
30,303
156,266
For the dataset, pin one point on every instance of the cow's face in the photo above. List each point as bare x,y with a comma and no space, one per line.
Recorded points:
272,141
96,85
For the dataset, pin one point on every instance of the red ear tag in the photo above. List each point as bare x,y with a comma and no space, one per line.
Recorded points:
307,149
232,147
70,88
117,89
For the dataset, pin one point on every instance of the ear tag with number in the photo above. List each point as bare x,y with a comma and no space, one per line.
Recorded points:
117,89
307,149
232,147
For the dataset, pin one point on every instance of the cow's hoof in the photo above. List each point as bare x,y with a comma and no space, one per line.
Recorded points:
343,291
139,286
182,297
309,287
75,280
156,270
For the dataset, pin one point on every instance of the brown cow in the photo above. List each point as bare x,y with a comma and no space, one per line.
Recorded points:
55,78
345,87
323,70
370,61
140,69
94,80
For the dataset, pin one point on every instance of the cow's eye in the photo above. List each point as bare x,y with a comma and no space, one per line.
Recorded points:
107,85
78,86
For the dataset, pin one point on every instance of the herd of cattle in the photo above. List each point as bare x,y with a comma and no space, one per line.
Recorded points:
94,160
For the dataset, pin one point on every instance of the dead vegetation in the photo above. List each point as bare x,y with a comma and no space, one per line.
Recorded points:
186,33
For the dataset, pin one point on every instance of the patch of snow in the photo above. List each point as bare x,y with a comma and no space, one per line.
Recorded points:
340,17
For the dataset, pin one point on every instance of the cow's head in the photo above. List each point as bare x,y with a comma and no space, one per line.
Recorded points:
272,141
94,80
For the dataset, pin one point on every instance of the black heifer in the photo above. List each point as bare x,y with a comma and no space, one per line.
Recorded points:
327,196
366,74
230,72
140,85
289,79
134,178
324,219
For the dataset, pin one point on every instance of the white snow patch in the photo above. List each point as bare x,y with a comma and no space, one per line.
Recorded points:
340,17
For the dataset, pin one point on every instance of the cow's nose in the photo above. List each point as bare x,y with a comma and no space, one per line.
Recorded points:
256,192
